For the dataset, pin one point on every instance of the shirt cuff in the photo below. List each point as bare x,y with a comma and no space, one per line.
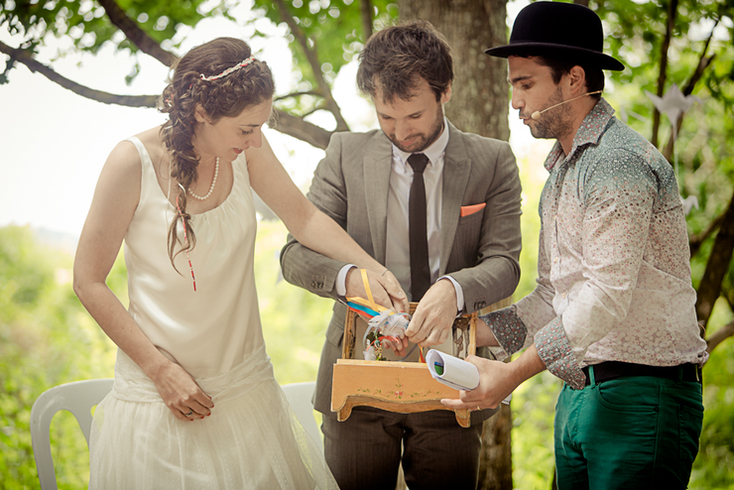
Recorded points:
459,293
555,351
341,280
508,329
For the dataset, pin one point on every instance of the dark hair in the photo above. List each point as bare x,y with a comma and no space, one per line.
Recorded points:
224,97
594,75
394,58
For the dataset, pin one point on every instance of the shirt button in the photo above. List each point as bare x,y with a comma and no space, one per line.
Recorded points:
563,295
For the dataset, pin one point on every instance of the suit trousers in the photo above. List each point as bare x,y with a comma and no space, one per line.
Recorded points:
627,433
364,451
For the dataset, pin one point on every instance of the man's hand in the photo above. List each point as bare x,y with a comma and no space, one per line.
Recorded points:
497,380
431,323
386,290
495,384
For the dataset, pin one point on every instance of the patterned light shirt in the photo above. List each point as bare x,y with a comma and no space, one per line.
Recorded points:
613,261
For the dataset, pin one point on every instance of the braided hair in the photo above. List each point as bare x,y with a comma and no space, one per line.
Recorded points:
226,96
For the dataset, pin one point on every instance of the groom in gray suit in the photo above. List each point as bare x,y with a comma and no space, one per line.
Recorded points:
464,257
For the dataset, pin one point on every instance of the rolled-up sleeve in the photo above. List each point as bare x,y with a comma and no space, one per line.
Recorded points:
508,329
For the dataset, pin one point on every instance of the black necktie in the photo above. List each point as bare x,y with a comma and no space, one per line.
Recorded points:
420,273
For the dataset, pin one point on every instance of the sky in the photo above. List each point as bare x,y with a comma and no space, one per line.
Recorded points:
53,142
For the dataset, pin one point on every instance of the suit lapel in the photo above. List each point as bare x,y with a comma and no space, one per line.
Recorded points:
457,168
377,167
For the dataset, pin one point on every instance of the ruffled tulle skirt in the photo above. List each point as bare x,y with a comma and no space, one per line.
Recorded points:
252,439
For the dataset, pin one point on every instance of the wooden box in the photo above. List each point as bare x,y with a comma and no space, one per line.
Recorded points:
396,386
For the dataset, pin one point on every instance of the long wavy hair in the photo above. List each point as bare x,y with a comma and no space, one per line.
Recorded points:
224,97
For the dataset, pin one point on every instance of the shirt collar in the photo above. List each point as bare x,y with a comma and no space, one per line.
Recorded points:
433,152
590,132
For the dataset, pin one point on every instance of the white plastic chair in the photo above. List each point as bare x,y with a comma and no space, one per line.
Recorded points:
299,396
78,398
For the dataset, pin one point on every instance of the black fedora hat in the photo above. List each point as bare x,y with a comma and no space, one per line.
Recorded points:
558,30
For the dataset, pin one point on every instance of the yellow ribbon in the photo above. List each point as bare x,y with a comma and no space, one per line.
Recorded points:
370,301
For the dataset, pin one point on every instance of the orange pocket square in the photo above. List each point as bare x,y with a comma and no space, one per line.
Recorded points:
471,209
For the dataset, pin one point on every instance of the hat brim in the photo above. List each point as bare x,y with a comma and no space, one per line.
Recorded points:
558,51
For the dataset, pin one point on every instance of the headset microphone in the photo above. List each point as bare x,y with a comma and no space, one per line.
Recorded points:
536,114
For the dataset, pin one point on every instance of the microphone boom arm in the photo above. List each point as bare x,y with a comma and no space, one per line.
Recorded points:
536,114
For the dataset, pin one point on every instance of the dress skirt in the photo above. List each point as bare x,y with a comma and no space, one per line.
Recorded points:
251,440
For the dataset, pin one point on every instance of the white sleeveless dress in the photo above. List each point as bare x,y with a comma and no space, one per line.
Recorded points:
252,438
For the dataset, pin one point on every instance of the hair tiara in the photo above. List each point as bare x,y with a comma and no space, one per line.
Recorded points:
226,72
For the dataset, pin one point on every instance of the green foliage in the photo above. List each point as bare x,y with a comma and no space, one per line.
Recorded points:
294,320
533,403
86,24
45,339
334,34
714,467
333,28
533,407
703,146
532,176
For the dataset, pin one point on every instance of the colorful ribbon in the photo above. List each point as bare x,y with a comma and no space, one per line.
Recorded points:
368,309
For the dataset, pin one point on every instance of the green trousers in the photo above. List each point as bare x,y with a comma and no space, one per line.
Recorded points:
627,433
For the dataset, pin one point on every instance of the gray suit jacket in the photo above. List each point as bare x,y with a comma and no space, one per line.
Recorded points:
480,251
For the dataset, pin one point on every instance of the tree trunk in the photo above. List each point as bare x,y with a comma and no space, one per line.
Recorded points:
663,73
479,104
495,461
718,264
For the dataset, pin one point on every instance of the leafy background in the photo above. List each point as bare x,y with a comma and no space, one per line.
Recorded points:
46,338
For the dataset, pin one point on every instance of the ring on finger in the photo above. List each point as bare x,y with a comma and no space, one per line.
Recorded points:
189,414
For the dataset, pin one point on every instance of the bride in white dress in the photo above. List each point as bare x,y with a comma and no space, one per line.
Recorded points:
195,404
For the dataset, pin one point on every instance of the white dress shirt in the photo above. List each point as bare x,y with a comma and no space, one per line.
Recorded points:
397,255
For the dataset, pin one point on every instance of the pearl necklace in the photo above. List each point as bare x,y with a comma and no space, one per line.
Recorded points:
211,188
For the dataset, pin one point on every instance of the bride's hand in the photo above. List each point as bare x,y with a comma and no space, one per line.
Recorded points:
392,288
181,394
385,288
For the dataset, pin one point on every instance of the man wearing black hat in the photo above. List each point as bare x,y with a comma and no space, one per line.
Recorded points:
613,313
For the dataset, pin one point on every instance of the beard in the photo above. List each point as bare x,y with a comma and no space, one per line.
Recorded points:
423,141
555,123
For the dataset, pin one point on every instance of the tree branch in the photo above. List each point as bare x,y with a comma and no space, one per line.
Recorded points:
365,7
296,94
716,267
26,57
135,34
672,12
719,336
703,63
697,240
302,130
313,109
313,61
286,123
